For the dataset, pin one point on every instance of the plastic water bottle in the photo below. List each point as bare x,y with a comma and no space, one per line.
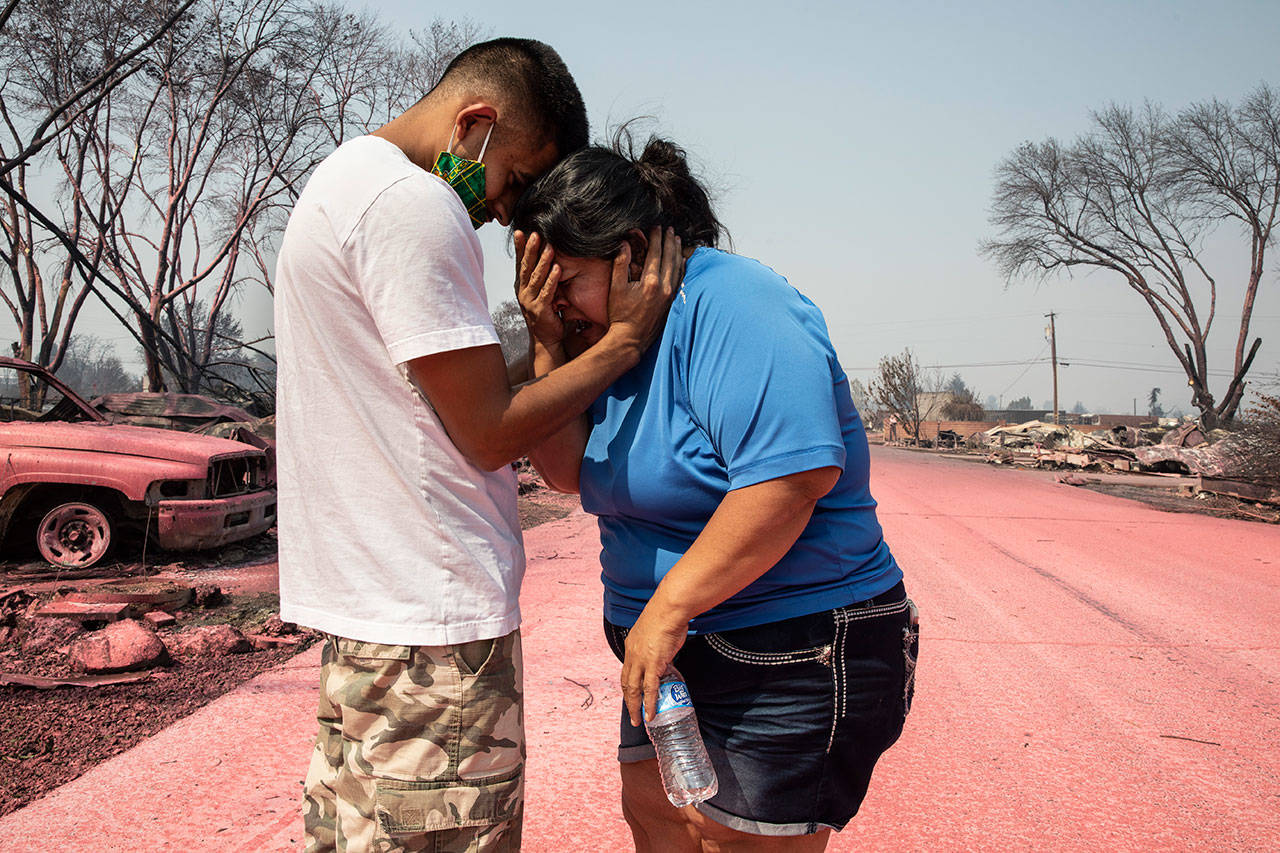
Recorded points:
687,774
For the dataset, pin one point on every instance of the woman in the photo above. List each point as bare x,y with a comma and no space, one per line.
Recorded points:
729,473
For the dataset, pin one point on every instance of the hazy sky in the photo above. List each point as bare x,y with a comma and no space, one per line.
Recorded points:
851,147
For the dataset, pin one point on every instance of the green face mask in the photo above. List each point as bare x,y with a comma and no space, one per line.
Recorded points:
466,177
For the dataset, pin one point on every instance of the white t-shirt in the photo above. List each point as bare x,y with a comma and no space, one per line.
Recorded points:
387,533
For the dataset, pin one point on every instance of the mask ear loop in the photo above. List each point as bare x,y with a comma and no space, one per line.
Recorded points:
484,147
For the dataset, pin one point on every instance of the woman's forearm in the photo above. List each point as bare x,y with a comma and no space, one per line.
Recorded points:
559,458
750,531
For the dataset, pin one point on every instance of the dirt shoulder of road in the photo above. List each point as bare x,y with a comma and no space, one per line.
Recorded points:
1200,503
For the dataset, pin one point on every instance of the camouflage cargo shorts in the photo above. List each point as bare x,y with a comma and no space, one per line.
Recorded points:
421,748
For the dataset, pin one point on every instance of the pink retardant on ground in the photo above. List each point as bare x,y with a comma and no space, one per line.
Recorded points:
572,796
1072,645
1095,675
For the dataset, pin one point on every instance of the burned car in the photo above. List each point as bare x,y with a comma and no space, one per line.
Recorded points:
192,413
71,481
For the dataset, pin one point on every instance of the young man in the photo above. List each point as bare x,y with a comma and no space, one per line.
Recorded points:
399,537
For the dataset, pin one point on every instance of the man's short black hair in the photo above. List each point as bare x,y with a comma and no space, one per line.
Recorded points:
535,78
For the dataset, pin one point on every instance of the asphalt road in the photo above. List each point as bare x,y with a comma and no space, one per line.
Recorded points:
1094,674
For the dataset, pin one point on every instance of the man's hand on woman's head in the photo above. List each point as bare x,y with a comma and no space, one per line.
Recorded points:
638,308
537,277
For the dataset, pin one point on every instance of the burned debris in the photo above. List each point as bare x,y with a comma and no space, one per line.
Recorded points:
76,635
1237,464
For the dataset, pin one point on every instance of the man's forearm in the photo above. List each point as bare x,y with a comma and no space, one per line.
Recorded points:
546,405
491,423
494,424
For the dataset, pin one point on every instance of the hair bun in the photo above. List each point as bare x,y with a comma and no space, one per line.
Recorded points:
662,162
663,166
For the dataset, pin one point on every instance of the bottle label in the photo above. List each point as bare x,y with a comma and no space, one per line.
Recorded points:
673,694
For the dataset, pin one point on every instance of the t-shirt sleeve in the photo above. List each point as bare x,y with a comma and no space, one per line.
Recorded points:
759,382
419,270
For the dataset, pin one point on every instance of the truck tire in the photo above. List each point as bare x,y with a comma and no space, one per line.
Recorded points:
74,535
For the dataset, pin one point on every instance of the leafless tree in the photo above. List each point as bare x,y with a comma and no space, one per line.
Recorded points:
92,367
1137,196
896,389
61,60
862,402
157,18
175,184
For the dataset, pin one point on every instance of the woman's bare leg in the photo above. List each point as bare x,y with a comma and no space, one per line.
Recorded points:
656,825
659,827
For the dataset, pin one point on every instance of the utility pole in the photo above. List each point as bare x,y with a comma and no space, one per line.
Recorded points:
1053,355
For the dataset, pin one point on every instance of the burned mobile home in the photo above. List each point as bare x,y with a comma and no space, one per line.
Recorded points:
71,481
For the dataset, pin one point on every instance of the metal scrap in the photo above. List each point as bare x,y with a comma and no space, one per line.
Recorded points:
186,412
40,682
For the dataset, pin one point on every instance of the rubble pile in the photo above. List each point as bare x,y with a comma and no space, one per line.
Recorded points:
1218,458
94,637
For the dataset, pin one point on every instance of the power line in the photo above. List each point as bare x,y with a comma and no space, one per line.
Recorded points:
950,366
1037,360
1065,361
1109,362
1139,368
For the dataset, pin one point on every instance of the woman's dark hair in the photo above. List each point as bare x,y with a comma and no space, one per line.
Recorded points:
585,206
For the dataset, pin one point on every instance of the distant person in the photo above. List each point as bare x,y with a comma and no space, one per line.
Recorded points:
729,471
399,537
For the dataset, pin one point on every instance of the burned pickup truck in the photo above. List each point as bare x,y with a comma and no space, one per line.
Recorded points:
71,483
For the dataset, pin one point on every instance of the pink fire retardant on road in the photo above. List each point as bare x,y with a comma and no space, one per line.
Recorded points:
1095,675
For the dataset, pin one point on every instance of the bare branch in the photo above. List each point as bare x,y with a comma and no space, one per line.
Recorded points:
1137,196
110,77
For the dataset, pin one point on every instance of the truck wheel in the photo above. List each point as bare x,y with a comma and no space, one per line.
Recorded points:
74,535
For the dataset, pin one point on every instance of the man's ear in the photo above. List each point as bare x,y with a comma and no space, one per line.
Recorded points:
471,126
639,249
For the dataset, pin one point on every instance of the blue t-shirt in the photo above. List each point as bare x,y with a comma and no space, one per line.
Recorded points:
744,386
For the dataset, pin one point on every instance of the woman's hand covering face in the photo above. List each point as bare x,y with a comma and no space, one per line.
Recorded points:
597,294
537,277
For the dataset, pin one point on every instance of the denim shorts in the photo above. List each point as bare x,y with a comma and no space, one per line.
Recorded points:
795,713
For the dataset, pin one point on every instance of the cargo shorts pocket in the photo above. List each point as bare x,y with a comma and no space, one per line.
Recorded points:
372,651
412,808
